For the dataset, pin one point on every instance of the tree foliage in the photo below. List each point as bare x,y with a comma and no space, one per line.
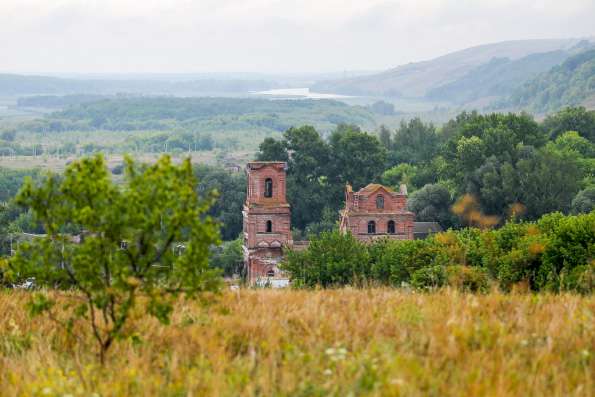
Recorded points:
127,251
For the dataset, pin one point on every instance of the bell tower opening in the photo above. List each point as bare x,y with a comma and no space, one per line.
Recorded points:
268,188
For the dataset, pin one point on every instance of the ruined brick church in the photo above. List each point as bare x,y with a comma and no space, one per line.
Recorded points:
374,211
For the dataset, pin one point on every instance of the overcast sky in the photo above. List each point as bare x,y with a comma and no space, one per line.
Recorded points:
145,36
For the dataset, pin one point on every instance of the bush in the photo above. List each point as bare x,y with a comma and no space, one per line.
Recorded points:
556,253
429,277
571,245
581,279
467,278
332,259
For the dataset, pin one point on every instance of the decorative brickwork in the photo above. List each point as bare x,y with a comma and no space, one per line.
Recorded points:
267,227
377,211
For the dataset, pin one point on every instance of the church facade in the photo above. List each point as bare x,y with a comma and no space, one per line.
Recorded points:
377,211
373,212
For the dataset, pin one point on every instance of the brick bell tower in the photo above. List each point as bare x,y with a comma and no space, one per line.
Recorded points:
266,215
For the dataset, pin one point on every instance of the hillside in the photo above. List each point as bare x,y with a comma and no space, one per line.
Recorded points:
571,83
497,77
462,76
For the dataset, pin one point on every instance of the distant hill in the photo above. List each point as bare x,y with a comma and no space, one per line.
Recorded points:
571,83
498,77
18,85
461,77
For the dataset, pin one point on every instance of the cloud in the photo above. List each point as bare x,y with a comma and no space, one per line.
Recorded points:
266,35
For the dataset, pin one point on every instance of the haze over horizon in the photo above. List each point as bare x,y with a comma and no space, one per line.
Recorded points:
266,36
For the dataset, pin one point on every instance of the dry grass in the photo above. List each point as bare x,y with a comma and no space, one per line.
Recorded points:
315,343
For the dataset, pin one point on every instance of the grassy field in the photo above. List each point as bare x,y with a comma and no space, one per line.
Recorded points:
315,343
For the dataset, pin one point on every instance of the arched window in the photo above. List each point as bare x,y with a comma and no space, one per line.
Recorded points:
371,227
271,273
269,227
268,187
390,227
380,201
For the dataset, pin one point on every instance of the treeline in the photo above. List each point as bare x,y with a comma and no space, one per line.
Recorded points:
13,84
556,253
230,189
510,164
232,123
155,113
57,101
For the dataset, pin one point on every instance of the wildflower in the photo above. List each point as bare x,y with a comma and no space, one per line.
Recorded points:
337,354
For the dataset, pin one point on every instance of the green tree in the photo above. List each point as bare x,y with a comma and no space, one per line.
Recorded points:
128,254
272,150
327,223
571,119
400,174
414,142
568,259
584,201
432,204
332,259
229,257
356,157
470,153
231,193
384,136
547,182
572,141
307,181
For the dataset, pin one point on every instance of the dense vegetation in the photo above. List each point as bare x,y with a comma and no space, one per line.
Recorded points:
570,84
556,253
508,162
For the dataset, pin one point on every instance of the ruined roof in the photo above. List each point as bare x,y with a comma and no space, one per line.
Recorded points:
372,187
266,162
259,164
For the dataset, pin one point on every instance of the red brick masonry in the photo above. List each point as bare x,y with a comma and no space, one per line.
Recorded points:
267,227
377,211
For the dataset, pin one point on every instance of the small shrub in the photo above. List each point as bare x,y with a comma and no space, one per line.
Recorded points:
581,279
429,277
467,278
